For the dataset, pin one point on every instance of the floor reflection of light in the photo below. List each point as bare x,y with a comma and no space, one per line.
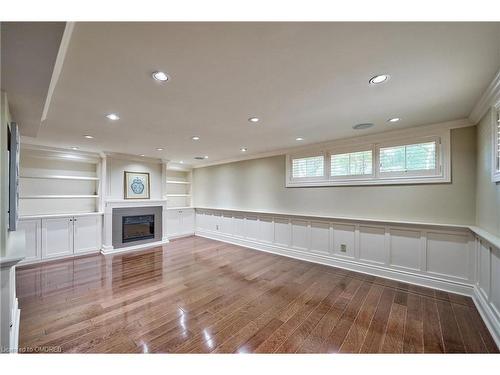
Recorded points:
243,350
145,348
208,339
182,318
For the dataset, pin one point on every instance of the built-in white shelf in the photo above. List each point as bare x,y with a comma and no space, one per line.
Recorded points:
60,177
180,208
178,195
179,182
57,196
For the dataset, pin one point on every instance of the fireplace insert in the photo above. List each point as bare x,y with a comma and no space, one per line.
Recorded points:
139,227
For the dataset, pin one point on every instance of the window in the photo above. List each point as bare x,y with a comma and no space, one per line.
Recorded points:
495,160
312,166
351,164
412,156
408,158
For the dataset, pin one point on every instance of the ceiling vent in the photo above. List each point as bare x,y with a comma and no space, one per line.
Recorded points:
199,158
362,126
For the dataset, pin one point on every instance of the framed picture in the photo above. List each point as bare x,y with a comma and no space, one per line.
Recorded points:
136,185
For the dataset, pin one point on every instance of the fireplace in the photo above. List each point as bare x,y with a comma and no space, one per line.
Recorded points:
138,227
133,226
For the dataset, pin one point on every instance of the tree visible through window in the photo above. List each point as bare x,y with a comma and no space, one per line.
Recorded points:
308,167
351,164
416,157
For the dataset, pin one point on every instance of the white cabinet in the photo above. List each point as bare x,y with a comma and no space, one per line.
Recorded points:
33,232
86,234
180,222
173,222
57,237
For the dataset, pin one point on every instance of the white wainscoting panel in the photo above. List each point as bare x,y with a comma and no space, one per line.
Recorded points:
266,229
448,255
405,249
300,235
487,288
320,237
344,234
372,244
282,232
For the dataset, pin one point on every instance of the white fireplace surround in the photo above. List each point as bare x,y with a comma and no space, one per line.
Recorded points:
107,246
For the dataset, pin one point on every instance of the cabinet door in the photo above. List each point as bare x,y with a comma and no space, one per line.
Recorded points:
173,223
33,232
87,234
57,237
187,221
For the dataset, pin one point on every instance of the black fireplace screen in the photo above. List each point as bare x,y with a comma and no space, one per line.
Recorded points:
135,228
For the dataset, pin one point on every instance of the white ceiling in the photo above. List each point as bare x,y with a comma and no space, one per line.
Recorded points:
301,79
29,51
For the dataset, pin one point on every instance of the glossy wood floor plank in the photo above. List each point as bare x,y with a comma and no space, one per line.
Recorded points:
203,296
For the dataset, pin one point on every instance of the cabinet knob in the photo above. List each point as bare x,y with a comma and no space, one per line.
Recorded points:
70,219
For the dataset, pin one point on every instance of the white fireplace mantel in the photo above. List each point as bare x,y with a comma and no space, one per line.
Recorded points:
109,204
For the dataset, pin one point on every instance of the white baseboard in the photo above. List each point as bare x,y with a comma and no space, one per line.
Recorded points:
106,250
173,237
352,265
488,312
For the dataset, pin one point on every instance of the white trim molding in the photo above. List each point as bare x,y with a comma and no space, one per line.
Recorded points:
439,256
488,99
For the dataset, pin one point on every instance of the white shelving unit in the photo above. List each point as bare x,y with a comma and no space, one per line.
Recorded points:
178,188
178,192
55,181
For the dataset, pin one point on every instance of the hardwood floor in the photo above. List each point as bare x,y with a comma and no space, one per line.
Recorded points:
198,295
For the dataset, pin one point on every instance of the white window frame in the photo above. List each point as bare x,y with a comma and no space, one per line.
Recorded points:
305,155
495,159
348,150
442,173
410,174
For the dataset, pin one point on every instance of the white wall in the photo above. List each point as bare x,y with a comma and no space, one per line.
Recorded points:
488,192
115,174
259,184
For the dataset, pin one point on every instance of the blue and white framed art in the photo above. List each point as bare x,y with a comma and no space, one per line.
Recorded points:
136,185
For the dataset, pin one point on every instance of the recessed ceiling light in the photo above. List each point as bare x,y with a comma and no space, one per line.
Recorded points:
205,157
88,136
243,149
159,149
74,148
142,155
181,162
395,119
112,116
253,119
380,78
299,139
195,138
362,126
160,76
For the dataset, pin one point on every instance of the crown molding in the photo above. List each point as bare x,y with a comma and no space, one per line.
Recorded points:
415,130
490,97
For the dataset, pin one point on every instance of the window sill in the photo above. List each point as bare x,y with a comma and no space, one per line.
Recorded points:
372,181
